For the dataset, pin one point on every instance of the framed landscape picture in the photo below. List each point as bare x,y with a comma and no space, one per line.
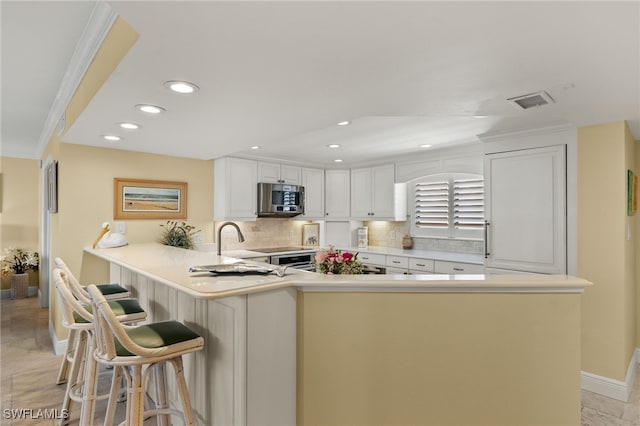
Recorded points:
149,199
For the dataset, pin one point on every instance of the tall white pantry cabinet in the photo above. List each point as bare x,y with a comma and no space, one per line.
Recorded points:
525,210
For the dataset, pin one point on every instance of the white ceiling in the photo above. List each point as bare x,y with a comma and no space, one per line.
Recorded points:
282,74
38,39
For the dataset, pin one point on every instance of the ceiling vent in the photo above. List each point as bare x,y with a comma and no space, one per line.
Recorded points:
531,100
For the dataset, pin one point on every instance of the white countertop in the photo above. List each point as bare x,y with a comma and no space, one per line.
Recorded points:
423,254
170,266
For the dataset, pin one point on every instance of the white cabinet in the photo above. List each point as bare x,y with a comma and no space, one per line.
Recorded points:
313,183
397,262
446,267
235,189
421,266
372,259
525,208
337,194
278,173
372,193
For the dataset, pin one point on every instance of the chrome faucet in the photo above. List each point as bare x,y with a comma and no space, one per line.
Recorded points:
240,236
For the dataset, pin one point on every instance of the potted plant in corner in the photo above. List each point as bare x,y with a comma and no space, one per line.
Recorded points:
18,262
178,234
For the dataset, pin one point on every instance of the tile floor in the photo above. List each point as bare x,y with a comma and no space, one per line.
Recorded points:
28,370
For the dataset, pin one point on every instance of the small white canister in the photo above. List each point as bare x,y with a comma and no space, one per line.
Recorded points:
363,237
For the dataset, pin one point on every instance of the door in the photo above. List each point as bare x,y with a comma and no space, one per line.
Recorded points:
337,194
525,210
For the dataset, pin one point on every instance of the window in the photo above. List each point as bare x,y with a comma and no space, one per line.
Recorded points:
449,205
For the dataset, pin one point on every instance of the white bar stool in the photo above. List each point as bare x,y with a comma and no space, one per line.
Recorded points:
130,349
82,378
111,292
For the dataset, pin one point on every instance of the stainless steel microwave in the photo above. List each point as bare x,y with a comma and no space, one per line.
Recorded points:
280,200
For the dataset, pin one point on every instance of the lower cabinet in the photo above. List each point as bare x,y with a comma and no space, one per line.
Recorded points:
444,267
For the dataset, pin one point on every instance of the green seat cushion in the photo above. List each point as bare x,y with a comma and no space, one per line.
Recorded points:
157,335
119,307
111,289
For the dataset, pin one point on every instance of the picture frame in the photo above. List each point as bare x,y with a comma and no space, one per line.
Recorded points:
51,179
149,199
632,193
311,234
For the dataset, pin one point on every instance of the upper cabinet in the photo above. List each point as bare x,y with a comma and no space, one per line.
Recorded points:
372,193
235,189
525,210
337,194
313,183
279,173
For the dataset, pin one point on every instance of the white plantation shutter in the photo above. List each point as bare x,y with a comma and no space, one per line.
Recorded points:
468,203
432,205
449,205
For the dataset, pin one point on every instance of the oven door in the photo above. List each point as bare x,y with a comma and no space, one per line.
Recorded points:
373,269
294,260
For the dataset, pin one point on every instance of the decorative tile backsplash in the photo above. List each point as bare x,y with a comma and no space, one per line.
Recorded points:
261,233
389,234
283,232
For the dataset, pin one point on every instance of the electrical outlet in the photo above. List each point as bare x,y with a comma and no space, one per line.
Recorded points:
291,235
198,238
393,235
121,227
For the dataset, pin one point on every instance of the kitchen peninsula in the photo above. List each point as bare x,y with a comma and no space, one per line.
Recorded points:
312,349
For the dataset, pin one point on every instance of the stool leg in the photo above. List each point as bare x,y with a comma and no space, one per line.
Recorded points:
182,389
90,384
135,398
116,381
74,377
162,399
63,372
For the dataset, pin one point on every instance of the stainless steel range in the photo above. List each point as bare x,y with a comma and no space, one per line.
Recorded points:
293,257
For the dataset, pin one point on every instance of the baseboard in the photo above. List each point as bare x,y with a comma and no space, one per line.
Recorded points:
59,346
31,292
612,388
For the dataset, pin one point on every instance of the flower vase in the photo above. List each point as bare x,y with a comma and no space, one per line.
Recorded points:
20,286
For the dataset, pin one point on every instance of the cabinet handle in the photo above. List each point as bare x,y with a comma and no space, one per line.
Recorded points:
395,261
458,269
421,264
486,239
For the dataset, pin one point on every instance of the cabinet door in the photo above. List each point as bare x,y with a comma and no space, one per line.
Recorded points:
313,183
241,188
290,174
382,191
361,187
268,172
525,206
337,194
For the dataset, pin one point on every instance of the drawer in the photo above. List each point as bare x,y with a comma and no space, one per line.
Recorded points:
372,259
421,265
398,262
442,267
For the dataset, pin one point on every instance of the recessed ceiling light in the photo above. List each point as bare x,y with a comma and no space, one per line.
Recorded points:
333,145
425,145
344,123
255,147
112,138
183,87
129,126
337,160
150,109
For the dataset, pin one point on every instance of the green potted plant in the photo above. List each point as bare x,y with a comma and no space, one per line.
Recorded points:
178,234
18,262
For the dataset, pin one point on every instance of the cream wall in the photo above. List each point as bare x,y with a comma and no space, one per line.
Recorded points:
20,207
438,359
85,182
605,257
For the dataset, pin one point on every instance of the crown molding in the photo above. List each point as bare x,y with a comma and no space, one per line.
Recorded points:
98,26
